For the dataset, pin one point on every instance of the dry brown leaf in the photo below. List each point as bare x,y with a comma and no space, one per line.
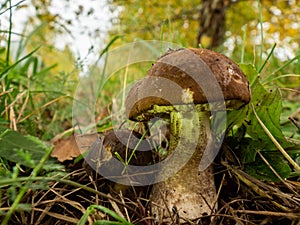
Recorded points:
69,148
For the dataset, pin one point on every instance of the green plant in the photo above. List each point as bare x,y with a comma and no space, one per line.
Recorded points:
92,209
24,188
260,133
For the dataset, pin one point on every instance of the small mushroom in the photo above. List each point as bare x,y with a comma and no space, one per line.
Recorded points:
113,154
182,86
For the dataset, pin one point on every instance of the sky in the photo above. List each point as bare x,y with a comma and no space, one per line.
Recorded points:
80,37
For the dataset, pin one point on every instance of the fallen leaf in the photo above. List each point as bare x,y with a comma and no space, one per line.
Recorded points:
71,147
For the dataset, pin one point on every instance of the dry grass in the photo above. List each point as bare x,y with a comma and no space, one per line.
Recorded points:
242,199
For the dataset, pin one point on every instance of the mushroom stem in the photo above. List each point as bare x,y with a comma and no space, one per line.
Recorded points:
190,193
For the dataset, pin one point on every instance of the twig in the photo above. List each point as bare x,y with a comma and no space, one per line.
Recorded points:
295,122
43,106
270,213
7,182
256,185
275,172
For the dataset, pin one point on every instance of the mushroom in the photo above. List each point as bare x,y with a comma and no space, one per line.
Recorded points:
188,87
117,155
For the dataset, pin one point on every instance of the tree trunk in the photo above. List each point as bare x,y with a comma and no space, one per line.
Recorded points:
212,23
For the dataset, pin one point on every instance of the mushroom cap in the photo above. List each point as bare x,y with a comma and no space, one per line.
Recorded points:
188,76
102,156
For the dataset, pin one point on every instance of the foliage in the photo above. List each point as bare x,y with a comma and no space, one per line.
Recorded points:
24,150
32,88
23,189
265,105
159,20
30,98
170,21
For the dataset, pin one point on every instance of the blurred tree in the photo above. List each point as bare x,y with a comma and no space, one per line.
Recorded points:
213,23
180,18
160,20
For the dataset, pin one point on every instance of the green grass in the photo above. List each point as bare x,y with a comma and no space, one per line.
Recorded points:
91,209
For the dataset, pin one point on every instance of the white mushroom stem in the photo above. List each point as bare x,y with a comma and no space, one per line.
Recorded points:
189,194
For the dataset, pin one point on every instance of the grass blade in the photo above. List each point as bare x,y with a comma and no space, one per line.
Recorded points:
244,29
5,72
9,34
261,32
286,64
265,62
91,209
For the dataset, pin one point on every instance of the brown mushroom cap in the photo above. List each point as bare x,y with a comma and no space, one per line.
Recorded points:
102,157
174,69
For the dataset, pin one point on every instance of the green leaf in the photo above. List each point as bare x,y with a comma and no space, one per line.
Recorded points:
260,170
268,108
288,128
268,105
250,72
24,150
248,150
237,117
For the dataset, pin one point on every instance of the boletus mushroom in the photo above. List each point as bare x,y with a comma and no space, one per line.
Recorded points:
117,155
187,86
